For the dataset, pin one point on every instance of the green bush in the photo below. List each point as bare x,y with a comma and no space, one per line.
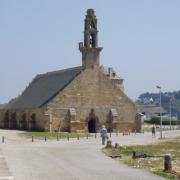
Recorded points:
165,121
109,144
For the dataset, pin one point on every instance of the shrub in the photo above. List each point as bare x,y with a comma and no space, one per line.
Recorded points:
165,121
109,144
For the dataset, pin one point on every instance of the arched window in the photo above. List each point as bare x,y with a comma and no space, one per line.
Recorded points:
32,123
13,120
23,122
6,119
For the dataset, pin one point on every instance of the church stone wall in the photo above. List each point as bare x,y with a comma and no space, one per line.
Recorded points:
91,94
24,119
92,91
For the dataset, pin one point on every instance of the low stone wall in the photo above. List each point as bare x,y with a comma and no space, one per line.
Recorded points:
126,126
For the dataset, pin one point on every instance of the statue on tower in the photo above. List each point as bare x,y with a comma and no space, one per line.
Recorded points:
90,30
90,50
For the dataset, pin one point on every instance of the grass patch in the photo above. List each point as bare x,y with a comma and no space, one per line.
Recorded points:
40,135
153,164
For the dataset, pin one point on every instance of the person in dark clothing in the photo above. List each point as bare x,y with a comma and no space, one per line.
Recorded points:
154,131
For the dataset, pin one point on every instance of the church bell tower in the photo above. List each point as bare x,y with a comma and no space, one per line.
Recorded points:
89,49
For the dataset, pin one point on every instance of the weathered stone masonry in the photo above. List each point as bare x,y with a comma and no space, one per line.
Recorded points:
92,90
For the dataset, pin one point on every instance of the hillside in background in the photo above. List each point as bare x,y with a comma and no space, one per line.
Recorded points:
168,98
2,105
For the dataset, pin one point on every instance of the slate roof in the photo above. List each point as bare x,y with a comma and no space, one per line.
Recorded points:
152,110
43,88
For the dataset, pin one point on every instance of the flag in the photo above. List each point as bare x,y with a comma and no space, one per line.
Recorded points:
158,87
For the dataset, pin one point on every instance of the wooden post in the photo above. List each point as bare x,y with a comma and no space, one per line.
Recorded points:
134,155
68,137
116,145
167,163
2,139
32,138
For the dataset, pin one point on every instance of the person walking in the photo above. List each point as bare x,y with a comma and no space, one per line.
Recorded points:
153,131
103,134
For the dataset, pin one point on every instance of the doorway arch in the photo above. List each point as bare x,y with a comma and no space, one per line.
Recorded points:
23,122
6,119
92,125
92,122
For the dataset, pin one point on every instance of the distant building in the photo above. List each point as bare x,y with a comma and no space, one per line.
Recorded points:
150,111
78,99
2,106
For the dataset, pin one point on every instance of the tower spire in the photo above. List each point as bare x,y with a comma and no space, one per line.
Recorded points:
90,50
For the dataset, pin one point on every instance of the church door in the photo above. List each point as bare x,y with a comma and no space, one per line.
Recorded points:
92,125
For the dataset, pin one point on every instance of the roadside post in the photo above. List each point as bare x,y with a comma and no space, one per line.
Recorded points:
3,139
32,139
167,163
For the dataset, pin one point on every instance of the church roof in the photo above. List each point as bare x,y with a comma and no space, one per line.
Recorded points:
151,110
43,88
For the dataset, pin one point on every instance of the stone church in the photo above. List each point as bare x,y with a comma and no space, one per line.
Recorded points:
78,99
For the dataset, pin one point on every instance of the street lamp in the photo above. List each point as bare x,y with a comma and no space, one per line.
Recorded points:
160,105
176,119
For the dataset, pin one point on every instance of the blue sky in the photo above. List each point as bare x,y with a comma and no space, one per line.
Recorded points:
141,41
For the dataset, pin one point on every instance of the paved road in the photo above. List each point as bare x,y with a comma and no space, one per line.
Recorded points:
73,160
4,170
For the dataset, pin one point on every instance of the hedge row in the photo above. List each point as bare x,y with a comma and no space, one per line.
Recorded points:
156,120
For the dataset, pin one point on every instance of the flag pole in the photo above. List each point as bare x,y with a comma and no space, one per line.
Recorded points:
160,105
170,112
160,111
